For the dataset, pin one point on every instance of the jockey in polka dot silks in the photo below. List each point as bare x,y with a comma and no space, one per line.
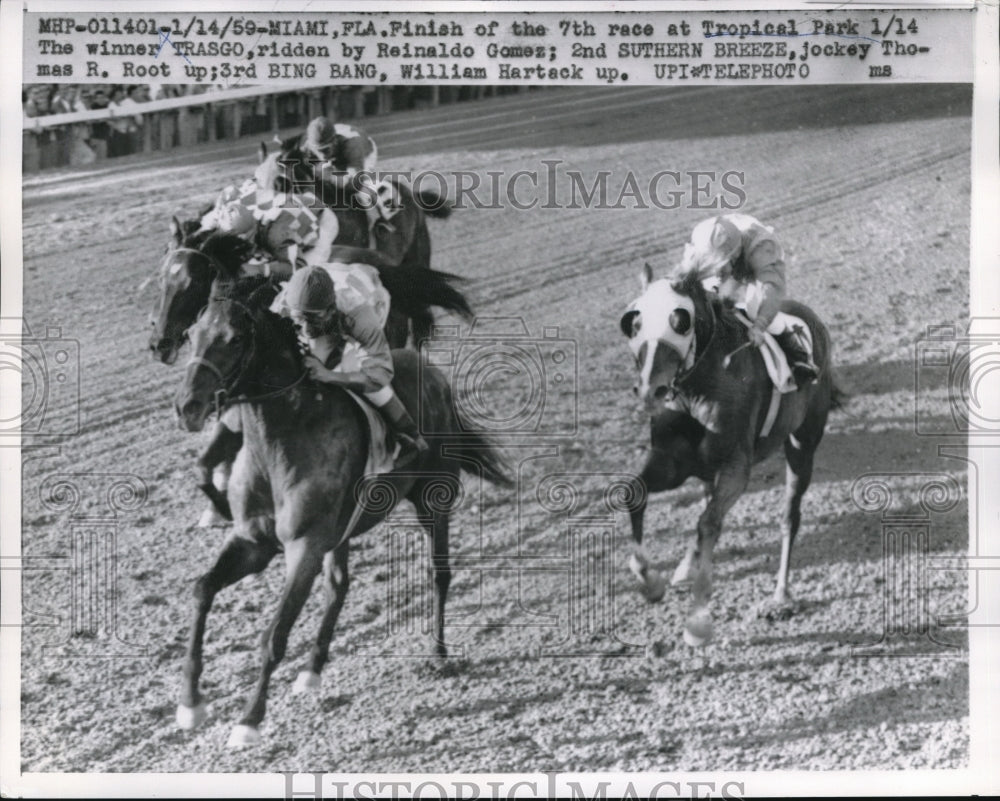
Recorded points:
739,257
288,229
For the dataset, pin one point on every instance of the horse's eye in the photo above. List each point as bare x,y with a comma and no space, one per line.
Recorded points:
631,323
680,320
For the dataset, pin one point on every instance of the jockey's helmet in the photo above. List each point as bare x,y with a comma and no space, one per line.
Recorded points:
320,138
310,289
235,218
714,243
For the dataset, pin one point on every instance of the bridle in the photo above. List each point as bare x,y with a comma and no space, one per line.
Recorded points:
684,373
224,397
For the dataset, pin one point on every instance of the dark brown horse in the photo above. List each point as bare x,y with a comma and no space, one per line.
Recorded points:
708,396
299,477
405,243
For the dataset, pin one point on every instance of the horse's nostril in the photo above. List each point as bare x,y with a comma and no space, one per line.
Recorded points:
660,393
635,390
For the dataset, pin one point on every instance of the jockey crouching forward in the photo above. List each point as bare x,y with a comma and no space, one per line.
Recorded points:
287,229
324,321
738,256
348,158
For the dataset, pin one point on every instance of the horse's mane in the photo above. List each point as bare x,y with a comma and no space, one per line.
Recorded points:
688,281
229,252
256,292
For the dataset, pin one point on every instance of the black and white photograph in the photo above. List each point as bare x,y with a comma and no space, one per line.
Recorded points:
499,400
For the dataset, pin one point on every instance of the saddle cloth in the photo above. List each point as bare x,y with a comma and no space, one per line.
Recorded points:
380,457
775,359
776,362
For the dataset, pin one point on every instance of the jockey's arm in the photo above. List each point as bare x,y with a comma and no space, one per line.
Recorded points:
769,272
362,325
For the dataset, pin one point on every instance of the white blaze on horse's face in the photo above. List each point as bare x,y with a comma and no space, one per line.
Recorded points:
659,317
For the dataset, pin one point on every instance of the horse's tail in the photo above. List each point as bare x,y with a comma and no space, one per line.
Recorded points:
477,449
413,291
433,204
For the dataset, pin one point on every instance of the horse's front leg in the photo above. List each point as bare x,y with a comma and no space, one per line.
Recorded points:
220,453
661,472
303,562
244,553
729,484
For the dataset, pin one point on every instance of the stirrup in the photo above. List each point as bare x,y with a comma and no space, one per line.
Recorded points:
804,373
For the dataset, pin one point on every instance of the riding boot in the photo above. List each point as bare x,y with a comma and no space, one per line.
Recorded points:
799,359
412,444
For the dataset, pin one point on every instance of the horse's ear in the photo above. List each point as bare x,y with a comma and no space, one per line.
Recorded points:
176,231
262,153
646,276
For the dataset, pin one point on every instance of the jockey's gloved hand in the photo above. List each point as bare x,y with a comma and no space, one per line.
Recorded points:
756,335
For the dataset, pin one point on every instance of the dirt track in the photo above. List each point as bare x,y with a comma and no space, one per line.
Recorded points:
869,190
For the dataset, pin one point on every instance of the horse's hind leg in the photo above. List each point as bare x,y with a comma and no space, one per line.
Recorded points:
240,557
798,475
335,585
303,561
435,520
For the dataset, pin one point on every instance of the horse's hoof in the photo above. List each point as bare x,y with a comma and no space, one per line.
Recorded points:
638,568
306,682
698,632
778,609
190,717
654,588
210,518
243,736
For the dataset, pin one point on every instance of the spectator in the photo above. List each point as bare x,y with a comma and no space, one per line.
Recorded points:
120,127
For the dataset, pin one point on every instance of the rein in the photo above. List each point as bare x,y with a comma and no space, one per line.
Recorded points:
681,376
223,397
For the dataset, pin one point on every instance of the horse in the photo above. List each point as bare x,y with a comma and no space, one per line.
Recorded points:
408,245
188,272
708,396
299,477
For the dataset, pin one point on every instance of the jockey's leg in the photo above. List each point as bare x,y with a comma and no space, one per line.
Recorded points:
789,332
402,424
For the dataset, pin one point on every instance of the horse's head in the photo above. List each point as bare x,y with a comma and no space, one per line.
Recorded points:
227,342
185,278
191,264
661,329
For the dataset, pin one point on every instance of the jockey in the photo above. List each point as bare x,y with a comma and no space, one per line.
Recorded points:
325,321
739,258
348,158
288,229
